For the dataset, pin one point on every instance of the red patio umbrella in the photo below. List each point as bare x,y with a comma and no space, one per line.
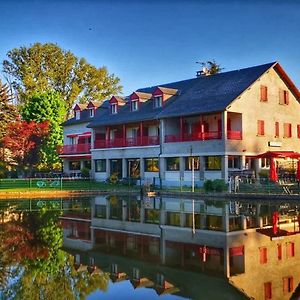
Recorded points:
273,176
298,170
275,219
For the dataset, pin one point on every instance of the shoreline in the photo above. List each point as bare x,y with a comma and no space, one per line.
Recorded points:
77,193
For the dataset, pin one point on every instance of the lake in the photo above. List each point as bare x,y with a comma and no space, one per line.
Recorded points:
138,247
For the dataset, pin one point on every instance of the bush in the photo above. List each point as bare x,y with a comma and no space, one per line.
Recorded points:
85,172
217,185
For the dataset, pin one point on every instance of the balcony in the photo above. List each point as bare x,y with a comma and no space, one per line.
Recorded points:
75,149
127,142
203,136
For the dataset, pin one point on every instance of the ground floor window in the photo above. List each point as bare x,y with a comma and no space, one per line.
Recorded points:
151,165
213,163
87,164
189,161
133,168
234,162
172,163
100,165
116,167
74,165
265,162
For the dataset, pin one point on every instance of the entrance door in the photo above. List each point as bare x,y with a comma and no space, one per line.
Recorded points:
133,167
116,167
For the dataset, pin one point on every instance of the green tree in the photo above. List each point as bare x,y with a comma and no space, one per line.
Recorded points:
44,67
210,67
47,106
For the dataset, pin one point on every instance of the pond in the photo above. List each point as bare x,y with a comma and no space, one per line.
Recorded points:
134,247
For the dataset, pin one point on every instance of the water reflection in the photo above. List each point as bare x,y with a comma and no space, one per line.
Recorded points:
123,238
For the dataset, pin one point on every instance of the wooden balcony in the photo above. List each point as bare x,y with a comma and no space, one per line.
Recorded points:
75,149
127,142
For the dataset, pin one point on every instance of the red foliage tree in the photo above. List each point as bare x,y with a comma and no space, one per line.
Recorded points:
24,139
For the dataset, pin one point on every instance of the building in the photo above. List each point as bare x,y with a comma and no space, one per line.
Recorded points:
189,131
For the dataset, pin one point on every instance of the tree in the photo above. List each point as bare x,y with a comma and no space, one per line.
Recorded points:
8,111
44,67
24,139
47,106
210,67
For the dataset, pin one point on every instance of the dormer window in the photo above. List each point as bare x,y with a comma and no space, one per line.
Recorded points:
114,108
92,112
77,114
157,101
134,105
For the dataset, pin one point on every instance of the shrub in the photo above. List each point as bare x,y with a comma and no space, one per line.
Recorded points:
208,185
85,172
217,185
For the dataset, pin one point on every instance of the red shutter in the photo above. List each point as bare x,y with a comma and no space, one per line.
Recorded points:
263,93
276,129
286,97
261,127
268,290
279,252
281,96
263,259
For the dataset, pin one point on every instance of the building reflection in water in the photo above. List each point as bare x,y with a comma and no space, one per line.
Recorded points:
255,244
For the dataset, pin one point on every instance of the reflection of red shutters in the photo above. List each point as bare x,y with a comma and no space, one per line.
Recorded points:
206,127
236,251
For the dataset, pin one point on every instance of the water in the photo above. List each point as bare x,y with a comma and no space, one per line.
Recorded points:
125,247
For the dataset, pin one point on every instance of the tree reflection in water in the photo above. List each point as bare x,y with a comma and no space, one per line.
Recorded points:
32,264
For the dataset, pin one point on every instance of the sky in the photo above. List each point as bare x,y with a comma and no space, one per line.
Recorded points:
147,43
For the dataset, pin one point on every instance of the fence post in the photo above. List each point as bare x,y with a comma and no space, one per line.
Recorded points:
61,181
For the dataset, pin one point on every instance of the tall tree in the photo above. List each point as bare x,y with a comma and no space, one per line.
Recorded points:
44,67
8,111
24,139
47,106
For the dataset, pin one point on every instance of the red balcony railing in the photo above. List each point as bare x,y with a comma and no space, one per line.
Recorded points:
234,135
199,136
127,142
74,149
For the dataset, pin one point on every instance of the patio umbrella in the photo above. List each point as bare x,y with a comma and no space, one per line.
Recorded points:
275,219
273,174
298,170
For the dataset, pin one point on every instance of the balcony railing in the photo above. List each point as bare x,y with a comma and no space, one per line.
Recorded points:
203,136
75,149
127,142
234,135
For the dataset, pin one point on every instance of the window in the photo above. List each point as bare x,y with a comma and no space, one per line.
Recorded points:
87,164
172,163
157,101
287,130
114,108
260,127
77,114
134,105
263,255
189,163
283,97
268,290
234,162
290,249
288,284
100,165
276,129
298,131
279,251
265,162
151,165
74,165
263,93
92,112
212,163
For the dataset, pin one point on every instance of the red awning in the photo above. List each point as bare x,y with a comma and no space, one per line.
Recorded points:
279,154
85,134
72,135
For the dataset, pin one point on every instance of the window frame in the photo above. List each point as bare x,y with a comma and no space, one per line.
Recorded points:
152,164
260,128
103,163
157,101
114,108
214,161
134,105
263,93
176,164
287,130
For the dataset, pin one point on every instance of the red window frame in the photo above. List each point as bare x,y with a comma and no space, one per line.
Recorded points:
284,97
287,129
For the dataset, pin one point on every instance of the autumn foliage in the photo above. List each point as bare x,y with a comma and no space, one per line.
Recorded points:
24,139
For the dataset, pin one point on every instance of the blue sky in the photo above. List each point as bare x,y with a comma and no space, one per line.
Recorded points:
151,42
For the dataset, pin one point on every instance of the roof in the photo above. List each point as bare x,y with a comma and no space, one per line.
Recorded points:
204,94
85,115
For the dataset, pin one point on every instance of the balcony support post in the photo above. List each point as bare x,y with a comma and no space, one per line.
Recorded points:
124,136
181,129
141,134
224,125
